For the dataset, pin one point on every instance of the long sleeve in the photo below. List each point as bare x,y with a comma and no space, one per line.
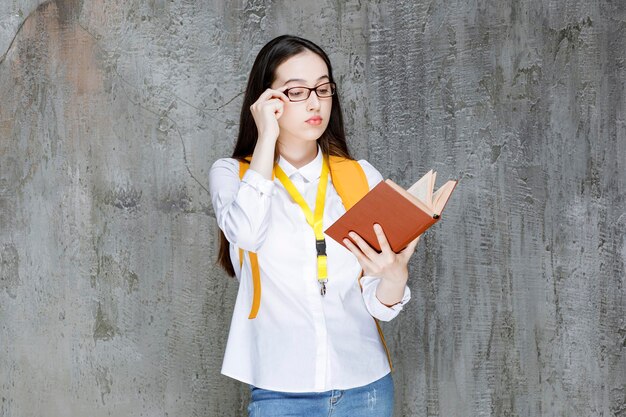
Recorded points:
373,304
242,208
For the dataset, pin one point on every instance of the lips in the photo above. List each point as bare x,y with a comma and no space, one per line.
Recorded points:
315,121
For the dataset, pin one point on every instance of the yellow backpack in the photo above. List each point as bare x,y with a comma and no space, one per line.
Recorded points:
351,184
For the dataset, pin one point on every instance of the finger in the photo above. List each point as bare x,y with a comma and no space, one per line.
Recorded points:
279,112
410,249
279,107
363,245
277,94
363,260
283,97
353,248
382,239
274,105
268,96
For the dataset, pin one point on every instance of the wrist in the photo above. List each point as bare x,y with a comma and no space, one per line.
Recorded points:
398,278
266,139
263,157
388,305
390,293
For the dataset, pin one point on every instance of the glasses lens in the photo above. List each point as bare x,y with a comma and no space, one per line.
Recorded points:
325,90
298,94
303,93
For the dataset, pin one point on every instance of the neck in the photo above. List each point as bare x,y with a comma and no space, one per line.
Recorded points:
299,155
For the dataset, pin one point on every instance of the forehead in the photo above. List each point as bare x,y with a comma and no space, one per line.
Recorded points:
306,66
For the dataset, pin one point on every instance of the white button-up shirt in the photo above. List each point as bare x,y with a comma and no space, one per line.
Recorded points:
300,341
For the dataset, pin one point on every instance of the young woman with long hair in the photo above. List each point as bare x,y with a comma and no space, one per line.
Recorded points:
309,346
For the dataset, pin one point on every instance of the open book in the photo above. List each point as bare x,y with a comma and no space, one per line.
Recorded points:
403,214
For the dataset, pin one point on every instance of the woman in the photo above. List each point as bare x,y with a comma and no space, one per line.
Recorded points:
310,346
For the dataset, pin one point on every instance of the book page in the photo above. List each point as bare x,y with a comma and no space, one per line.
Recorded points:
442,195
423,188
426,208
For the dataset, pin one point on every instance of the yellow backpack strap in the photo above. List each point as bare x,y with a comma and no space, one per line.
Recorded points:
348,179
243,167
382,339
254,261
256,284
351,184
380,330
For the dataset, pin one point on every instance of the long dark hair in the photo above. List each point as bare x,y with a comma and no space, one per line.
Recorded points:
262,75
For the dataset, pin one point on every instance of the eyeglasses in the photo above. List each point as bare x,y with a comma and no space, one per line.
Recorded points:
296,94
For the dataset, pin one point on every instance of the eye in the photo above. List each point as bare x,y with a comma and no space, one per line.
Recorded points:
297,92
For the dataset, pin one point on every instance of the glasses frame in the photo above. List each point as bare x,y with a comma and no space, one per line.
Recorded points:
332,84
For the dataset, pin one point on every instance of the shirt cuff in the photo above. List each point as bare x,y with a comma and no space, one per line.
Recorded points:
258,182
375,307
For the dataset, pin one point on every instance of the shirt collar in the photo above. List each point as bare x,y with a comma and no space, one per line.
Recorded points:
310,171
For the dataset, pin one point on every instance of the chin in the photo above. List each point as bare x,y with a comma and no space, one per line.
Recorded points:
311,136
308,134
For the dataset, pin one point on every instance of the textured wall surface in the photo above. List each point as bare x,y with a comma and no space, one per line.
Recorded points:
112,111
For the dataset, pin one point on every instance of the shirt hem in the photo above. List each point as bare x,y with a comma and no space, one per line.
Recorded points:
281,389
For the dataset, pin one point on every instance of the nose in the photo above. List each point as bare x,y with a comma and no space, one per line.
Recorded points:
313,102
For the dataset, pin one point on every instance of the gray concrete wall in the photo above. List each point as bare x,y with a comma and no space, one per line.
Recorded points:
112,111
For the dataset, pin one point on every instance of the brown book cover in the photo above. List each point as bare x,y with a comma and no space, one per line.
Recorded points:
402,216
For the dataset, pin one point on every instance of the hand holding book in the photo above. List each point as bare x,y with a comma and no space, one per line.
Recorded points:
390,267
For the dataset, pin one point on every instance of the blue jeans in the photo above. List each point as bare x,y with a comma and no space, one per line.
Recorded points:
375,400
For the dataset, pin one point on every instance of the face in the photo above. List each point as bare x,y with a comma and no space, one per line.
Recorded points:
300,120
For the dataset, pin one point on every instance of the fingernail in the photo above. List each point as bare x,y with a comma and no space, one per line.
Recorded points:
352,234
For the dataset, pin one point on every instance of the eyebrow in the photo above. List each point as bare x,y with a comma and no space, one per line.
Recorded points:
301,80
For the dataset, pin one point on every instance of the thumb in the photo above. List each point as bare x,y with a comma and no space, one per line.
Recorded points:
410,249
